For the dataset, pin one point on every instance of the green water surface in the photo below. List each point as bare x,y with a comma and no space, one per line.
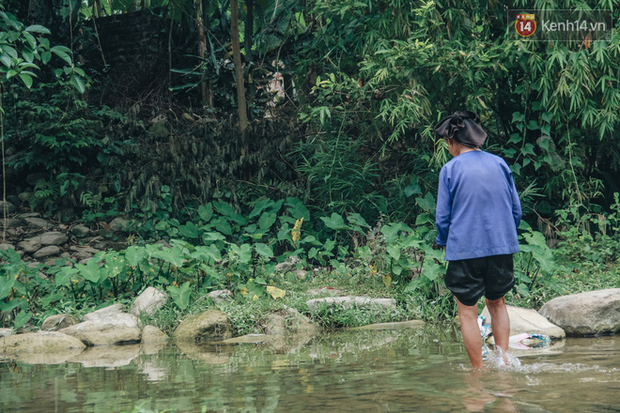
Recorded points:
364,371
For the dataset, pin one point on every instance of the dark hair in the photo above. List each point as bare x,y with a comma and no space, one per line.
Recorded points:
463,127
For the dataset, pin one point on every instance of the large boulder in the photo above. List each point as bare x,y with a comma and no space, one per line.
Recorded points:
594,312
149,302
523,320
350,301
287,321
212,325
107,326
44,347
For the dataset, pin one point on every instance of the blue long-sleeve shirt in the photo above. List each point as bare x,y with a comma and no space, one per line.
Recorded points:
478,208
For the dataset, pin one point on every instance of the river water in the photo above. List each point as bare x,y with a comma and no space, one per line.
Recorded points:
424,370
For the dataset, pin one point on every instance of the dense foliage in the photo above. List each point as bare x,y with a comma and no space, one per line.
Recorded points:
348,139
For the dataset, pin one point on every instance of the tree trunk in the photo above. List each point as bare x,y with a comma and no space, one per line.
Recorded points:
234,23
202,49
249,29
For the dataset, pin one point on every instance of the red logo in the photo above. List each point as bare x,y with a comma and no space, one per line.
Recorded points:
525,24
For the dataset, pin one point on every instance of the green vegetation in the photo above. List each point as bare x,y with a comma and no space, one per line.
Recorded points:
337,178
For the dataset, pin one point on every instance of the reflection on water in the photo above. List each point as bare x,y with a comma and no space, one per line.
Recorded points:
361,371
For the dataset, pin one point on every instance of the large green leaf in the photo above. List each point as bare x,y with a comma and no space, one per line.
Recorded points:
264,250
297,208
180,295
90,271
65,276
189,230
37,28
335,222
205,212
266,220
6,283
21,319
259,207
173,256
135,254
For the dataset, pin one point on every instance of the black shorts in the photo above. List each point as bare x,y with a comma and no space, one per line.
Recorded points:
490,276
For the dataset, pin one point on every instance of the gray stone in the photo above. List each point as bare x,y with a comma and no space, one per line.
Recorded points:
53,238
325,291
153,340
30,215
25,197
149,302
212,325
30,245
104,312
350,301
288,321
301,274
523,320
58,321
594,312
275,324
5,247
38,222
48,347
220,296
5,332
11,222
47,251
14,199
119,224
284,266
5,205
402,325
152,334
107,326
80,230
89,250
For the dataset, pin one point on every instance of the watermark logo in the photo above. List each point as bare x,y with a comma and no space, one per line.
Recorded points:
525,25
560,25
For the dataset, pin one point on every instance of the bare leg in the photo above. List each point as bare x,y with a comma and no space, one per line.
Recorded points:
500,324
468,316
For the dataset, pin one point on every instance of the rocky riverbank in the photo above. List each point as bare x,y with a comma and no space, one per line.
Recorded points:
112,330
42,240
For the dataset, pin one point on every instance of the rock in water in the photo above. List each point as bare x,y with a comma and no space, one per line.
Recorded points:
44,347
211,325
523,320
594,312
107,326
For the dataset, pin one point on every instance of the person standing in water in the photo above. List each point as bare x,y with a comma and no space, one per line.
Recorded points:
478,213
